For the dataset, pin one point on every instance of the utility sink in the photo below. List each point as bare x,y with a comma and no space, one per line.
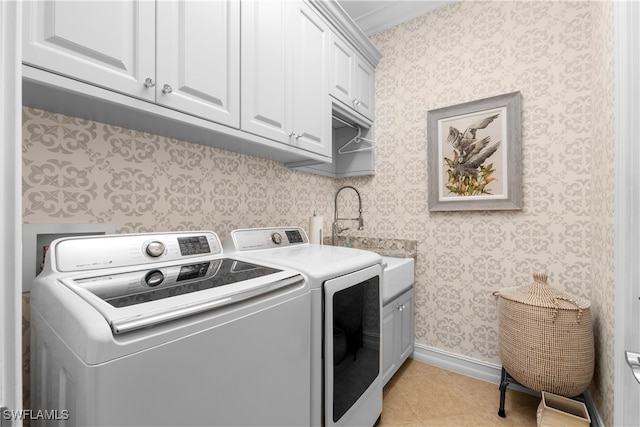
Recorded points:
397,276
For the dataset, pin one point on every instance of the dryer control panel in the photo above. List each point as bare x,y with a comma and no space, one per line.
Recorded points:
267,238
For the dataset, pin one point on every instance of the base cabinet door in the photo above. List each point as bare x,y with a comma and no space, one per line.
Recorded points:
389,335
407,326
106,43
398,326
198,59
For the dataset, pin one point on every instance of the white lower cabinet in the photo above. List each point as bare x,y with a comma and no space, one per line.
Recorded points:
398,325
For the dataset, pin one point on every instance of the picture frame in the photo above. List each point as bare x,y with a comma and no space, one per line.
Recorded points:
35,237
474,155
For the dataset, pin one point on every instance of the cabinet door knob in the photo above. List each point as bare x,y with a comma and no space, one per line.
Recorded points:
167,89
148,82
356,102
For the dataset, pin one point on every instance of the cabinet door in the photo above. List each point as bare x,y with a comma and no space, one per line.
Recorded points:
341,71
312,109
407,323
266,69
389,337
105,43
199,59
364,88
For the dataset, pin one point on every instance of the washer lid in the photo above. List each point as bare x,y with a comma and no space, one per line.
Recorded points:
136,299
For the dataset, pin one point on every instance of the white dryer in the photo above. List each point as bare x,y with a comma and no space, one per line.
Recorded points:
346,384
164,330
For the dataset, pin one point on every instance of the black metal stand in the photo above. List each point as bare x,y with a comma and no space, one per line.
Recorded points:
506,379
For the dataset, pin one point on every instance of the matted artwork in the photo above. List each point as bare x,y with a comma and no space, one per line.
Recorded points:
475,155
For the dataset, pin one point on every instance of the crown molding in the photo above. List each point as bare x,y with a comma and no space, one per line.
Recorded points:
347,28
390,14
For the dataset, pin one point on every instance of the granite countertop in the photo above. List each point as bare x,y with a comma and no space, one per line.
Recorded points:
386,247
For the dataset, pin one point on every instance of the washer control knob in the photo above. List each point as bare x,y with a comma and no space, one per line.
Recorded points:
155,249
276,238
154,278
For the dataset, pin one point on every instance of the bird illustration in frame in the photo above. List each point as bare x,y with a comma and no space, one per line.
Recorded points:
467,173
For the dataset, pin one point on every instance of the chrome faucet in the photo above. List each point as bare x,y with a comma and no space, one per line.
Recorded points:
335,228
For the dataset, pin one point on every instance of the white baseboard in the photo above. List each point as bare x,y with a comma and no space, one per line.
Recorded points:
485,371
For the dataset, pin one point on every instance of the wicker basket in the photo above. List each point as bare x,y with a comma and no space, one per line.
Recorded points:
546,338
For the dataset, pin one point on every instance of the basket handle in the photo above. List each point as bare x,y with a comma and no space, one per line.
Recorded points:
570,300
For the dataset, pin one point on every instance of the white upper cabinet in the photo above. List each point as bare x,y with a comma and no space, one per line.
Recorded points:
343,60
106,43
312,109
251,76
364,88
284,77
198,58
267,69
192,65
352,78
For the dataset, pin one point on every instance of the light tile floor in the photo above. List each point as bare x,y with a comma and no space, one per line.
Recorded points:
422,395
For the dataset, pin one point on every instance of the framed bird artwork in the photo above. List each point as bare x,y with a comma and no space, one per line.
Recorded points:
474,155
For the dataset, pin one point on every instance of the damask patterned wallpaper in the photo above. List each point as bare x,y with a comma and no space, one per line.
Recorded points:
557,54
602,188
81,172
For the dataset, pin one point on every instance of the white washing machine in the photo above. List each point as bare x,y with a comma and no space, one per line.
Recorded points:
346,384
164,330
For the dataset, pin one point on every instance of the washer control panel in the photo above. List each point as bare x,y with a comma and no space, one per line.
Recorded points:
123,250
265,238
194,245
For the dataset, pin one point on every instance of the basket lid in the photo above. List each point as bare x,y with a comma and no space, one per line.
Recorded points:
541,294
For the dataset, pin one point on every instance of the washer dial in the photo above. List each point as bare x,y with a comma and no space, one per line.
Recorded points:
154,278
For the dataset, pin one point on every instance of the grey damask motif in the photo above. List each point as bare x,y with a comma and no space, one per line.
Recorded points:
58,188
130,145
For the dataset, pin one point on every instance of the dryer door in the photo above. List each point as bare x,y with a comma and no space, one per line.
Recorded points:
352,358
